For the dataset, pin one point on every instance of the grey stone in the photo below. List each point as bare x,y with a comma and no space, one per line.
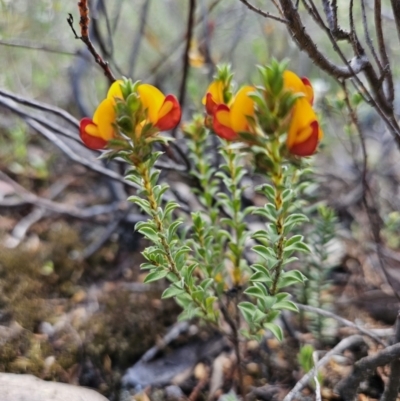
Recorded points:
15,387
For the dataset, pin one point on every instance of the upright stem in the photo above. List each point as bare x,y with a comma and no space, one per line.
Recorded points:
144,172
236,202
278,181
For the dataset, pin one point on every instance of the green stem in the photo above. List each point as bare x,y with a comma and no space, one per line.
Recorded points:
278,181
144,171
236,201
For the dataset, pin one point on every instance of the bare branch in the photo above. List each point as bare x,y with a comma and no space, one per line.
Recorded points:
186,61
330,9
368,37
382,51
79,213
84,24
396,14
343,321
339,348
306,43
347,387
392,388
263,13
41,106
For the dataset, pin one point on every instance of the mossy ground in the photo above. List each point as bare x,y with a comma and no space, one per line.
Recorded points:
65,319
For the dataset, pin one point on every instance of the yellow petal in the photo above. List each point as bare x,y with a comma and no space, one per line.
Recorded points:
115,90
165,109
292,82
224,118
216,88
242,107
104,117
152,99
300,126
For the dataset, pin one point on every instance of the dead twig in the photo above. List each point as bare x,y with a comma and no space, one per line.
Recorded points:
186,60
392,388
21,228
338,349
84,24
262,13
110,229
79,213
343,321
41,106
347,387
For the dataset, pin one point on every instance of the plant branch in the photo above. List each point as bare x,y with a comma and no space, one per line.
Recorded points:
262,13
84,24
396,14
382,50
339,348
347,387
343,321
186,60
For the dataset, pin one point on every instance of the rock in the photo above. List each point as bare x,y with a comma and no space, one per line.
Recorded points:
15,387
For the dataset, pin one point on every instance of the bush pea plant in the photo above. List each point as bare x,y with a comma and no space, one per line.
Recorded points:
216,268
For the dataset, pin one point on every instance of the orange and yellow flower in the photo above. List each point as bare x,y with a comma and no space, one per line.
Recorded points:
229,120
163,112
304,132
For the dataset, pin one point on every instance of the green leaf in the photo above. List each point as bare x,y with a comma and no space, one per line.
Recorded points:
156,275
172,229
266,253
275,330
290,278
255,291
272,315
258,316
199,295
267,302
150,234
210,304
248,309
289,305
170,207
206,283
293,240
148,266
190,313
298,246
260,277
172,291
184,300
142,203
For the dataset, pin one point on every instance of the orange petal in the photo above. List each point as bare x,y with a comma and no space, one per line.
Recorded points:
309,90
242,107
222,123
87,131
308,147
115,90
152,100
169,114
216,89
104,118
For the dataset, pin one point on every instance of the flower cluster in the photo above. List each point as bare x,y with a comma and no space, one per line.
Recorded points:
162,112
230,116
